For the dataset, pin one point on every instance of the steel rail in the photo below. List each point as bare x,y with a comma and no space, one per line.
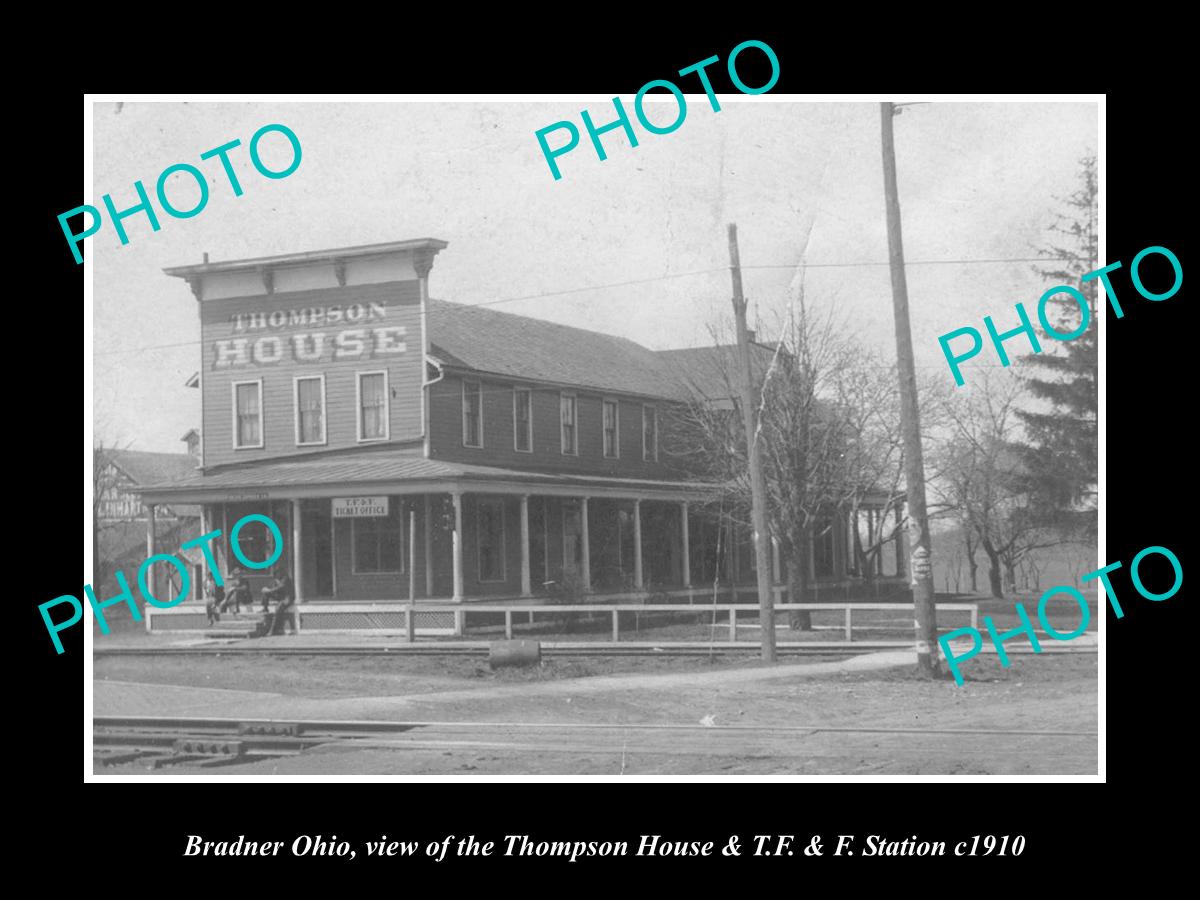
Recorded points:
601,649
312,728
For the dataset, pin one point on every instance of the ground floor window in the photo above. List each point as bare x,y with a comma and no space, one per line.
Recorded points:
490,531
256,541
377,544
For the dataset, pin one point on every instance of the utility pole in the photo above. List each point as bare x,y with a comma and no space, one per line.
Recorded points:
758,489
921,562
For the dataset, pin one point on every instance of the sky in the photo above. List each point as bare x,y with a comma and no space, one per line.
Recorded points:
634,245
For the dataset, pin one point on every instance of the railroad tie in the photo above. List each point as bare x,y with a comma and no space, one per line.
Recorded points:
287,729
209,747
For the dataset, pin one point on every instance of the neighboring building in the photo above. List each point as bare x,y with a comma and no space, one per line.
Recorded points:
121,471
413,448
120,516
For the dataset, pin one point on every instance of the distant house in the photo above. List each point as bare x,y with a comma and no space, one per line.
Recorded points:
121,517
123,470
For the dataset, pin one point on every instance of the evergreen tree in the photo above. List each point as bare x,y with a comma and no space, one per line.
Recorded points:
1061,452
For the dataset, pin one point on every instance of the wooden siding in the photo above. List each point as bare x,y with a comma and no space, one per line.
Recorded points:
401,302
446,432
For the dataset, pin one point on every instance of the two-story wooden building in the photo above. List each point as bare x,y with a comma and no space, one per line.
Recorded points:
413,450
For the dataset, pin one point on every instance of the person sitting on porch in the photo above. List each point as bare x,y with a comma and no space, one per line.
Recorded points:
284,593
239,590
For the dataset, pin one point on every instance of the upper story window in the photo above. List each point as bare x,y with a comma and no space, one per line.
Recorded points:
612,429
649,433
570,436
472,407
522,420
372,406
310,410
247,414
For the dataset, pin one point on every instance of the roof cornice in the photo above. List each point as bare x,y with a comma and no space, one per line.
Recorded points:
312,257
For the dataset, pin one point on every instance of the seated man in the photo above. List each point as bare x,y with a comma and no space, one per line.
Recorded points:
238,591
282,591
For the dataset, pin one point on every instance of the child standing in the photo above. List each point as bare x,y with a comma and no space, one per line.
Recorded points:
211,601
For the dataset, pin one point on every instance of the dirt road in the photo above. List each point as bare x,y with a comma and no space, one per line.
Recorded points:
738,719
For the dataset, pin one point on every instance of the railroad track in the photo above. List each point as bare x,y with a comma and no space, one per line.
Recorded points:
157,741
481,649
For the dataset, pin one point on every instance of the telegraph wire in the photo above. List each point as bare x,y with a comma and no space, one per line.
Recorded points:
465,308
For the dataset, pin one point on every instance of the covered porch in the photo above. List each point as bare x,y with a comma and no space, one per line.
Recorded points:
421,531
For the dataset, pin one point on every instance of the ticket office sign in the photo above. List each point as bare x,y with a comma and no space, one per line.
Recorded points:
360,507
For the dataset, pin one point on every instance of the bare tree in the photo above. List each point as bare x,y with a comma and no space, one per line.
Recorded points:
830,432
970,545
981,478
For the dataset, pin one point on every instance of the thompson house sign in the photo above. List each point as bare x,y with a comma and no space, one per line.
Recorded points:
310,346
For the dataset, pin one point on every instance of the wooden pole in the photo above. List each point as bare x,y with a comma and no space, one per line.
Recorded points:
758,490
410,618
920,558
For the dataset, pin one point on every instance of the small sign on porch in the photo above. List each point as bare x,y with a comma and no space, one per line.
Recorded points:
360,507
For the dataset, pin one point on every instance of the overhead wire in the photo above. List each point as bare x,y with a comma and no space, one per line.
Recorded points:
465,308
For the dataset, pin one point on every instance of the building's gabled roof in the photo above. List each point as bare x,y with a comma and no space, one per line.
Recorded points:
712,373
145,467
487,340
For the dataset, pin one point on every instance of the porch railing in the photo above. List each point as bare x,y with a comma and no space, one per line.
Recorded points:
615,610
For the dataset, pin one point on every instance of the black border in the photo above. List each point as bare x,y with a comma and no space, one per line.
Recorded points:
1148,435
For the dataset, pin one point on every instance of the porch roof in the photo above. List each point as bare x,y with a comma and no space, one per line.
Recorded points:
394,473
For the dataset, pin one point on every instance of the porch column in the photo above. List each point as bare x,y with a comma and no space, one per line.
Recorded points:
899,544
812,561
199,570
687,544
333,567
835,545
877,518
152,577
458,527
296,534
526,587
734,555
428,548
854,541
223,545
586,562
637,544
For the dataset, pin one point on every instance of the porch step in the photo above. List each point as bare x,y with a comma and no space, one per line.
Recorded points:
234,625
